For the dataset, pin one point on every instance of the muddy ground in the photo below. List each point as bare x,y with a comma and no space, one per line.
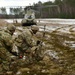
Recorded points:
58,50
59,43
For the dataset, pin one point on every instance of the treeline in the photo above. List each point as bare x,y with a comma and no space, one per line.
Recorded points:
56,9
6,16
67,8
13,13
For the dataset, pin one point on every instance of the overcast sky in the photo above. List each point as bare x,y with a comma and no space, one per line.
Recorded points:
19,2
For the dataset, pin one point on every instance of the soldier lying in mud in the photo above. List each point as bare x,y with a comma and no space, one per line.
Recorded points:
27,45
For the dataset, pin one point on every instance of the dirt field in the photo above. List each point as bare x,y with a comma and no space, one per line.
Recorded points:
58,50
59,43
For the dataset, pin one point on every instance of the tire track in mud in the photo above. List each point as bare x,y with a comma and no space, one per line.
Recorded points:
64,28
58,28
62,42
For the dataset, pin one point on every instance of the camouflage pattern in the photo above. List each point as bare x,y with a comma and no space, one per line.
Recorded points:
34,29
5,45
10,29
23,39
26,43
5,48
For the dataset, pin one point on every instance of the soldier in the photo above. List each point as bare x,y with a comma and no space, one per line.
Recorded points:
23,41
27,44
6,46
38,53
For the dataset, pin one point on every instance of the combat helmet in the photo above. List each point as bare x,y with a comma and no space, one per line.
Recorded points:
11,28
34,28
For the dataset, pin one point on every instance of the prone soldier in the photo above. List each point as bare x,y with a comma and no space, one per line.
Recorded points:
6,46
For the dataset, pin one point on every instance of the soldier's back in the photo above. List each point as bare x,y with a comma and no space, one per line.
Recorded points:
5,46
6,37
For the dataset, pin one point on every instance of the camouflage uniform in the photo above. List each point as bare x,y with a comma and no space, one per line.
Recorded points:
23,40
26,43
5,48
38,53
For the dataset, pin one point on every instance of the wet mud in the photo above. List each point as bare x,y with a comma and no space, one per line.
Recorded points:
58,50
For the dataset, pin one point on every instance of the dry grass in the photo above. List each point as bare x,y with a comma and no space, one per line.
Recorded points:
3,23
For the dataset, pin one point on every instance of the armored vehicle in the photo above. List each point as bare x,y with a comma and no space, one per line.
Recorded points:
29,18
